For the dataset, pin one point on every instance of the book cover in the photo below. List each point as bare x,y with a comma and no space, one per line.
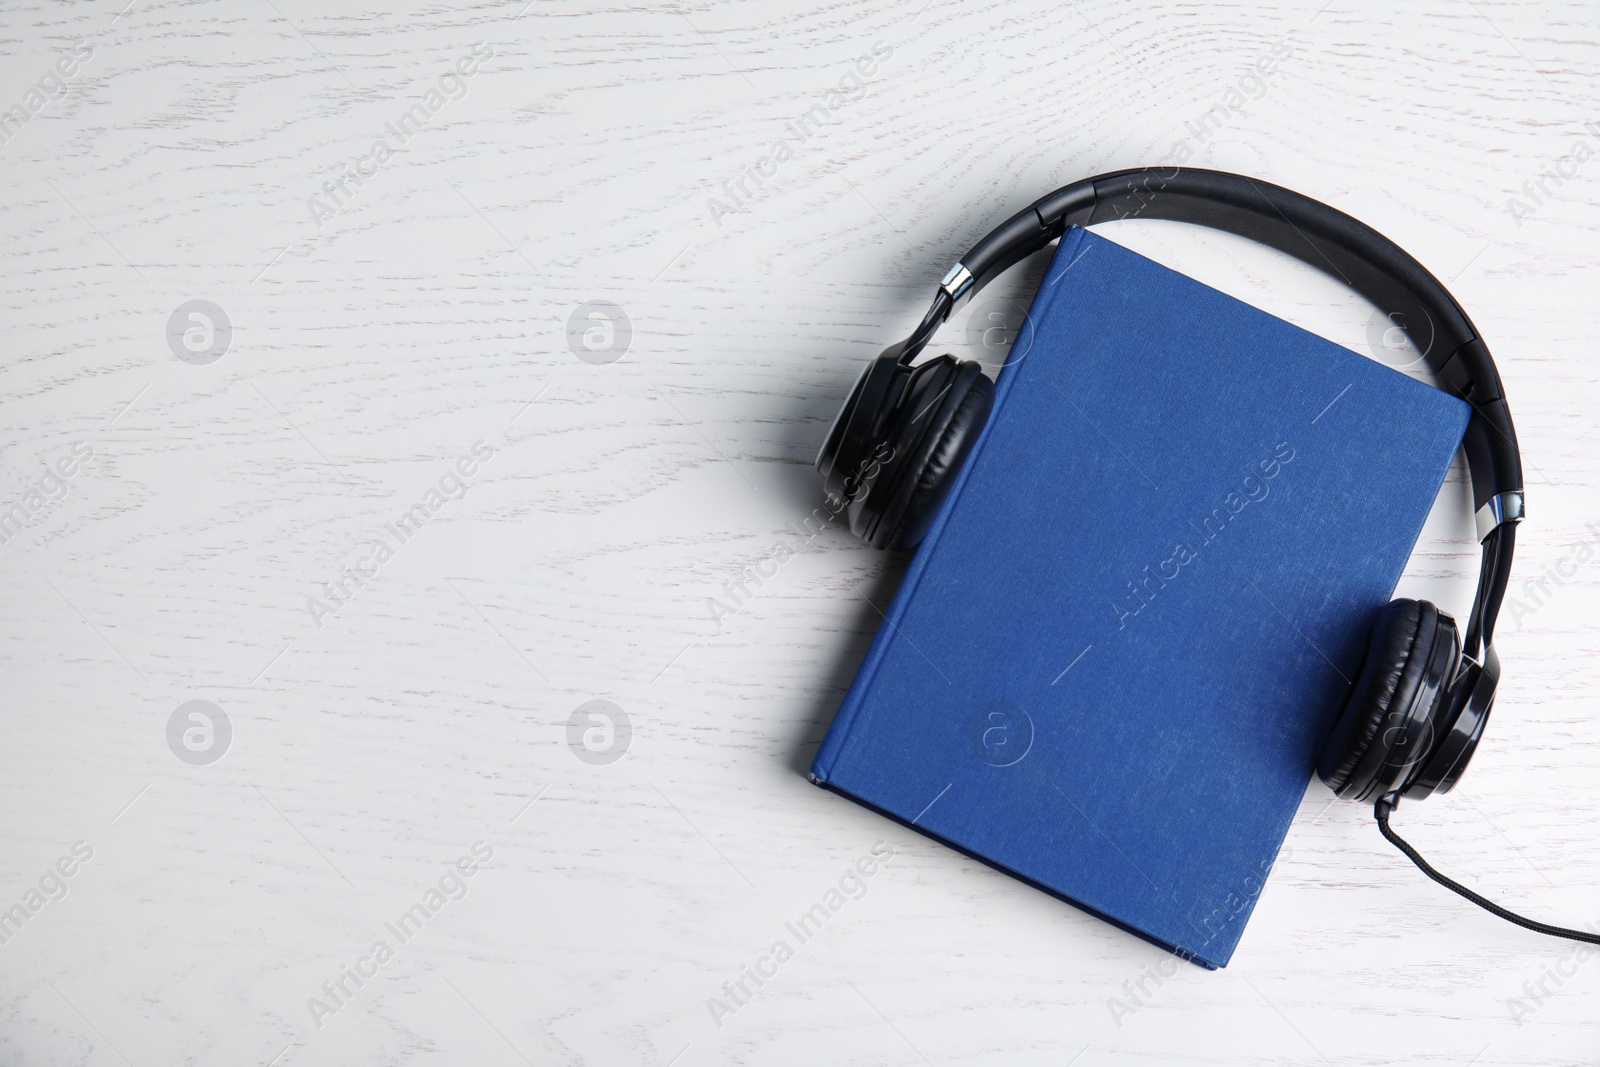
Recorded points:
1111,662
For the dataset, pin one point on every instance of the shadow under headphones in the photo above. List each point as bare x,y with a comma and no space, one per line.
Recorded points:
1418,708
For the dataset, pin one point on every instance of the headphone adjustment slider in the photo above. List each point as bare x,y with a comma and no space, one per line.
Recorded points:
958,284
1500,509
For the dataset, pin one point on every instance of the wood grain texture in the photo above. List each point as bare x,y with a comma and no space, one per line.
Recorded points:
431,312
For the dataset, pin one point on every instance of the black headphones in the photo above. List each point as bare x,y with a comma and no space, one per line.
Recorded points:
1419,706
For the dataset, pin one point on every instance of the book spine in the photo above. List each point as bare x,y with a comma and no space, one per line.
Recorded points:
836,745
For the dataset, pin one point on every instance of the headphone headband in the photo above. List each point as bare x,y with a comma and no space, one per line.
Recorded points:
1334,243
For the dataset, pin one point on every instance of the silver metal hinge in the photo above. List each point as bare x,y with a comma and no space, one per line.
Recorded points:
958,283
1501,509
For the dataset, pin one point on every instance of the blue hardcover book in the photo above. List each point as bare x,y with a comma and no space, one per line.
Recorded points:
1110,665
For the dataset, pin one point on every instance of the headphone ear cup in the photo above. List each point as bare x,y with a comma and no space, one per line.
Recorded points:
1356,733
936,457
853,438
1390,723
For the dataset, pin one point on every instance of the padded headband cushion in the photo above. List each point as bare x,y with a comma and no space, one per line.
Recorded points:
1313,232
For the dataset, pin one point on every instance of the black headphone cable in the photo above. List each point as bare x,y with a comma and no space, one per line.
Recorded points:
1381,811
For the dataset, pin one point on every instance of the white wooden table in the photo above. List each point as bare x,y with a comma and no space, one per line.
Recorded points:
389,311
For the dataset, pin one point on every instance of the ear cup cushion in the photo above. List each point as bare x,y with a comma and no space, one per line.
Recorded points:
1404,724
1391,672
844,457
1416,733
919,411
931,481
